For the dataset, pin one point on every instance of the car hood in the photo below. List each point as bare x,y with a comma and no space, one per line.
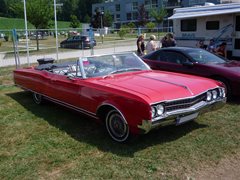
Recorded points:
64,41
155,86
233,66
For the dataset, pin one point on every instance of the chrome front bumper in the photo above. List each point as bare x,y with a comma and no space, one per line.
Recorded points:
171,117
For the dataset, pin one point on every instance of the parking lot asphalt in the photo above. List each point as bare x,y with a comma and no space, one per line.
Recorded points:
65,55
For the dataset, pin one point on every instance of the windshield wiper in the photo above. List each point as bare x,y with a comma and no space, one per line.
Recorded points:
125,70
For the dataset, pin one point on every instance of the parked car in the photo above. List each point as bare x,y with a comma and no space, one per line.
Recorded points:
197,62
122,91
79,42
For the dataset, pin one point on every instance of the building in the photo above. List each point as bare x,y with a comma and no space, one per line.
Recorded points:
125,11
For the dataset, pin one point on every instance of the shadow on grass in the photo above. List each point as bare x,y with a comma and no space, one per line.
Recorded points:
235,100
86,130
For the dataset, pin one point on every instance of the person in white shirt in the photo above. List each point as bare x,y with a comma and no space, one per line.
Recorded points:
151,44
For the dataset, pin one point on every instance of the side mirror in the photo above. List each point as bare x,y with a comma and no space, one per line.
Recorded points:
190,64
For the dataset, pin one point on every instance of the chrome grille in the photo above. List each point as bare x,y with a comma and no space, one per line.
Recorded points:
184,103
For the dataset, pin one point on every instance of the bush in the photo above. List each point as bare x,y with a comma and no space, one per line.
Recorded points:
0,43
123,31
132,26
150,26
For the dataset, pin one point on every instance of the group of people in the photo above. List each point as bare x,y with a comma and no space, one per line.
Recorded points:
211,47
169,41
151,45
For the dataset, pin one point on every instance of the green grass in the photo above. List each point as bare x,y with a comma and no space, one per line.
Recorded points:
13,23
17,23
51,142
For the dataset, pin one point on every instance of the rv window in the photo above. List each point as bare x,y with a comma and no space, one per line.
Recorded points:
237,26
237,44
212,25
189,25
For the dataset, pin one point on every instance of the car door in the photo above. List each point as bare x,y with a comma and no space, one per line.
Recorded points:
64,89
69,43
167,61
174,61
170,60
77,42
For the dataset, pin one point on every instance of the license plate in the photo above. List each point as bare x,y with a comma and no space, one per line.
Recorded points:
187,118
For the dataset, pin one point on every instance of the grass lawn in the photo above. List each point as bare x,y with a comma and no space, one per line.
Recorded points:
52,142
17,23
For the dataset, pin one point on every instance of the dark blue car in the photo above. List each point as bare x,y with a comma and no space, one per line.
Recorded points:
78,42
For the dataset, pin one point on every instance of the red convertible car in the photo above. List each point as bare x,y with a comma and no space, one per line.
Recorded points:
123,92
197,62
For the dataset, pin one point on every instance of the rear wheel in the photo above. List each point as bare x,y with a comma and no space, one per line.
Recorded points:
37,98
117,126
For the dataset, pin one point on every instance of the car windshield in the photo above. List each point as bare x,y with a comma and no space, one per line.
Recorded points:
204,57
110,64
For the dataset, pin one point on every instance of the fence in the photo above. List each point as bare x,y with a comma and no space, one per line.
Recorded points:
107,41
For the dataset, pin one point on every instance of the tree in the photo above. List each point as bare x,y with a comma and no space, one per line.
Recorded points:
39,13
82,10
142,16
74,22
69,8
158,15
96,19
87,19
107,19
3,8
14,8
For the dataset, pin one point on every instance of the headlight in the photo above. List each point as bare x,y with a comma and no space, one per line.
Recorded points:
222,92
209,96
214,94
153,109
160,109
157,110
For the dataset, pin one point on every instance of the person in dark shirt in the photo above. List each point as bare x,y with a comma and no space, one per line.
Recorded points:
211,47
201,44
140,45
168,41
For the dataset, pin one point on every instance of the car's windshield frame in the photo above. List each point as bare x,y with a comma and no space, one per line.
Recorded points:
104,65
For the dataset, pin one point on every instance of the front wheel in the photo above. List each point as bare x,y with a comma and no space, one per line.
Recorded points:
117,126
37,98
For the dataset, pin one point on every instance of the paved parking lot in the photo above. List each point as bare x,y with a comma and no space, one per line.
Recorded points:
65,55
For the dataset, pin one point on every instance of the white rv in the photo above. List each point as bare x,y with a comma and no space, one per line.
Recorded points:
219,22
